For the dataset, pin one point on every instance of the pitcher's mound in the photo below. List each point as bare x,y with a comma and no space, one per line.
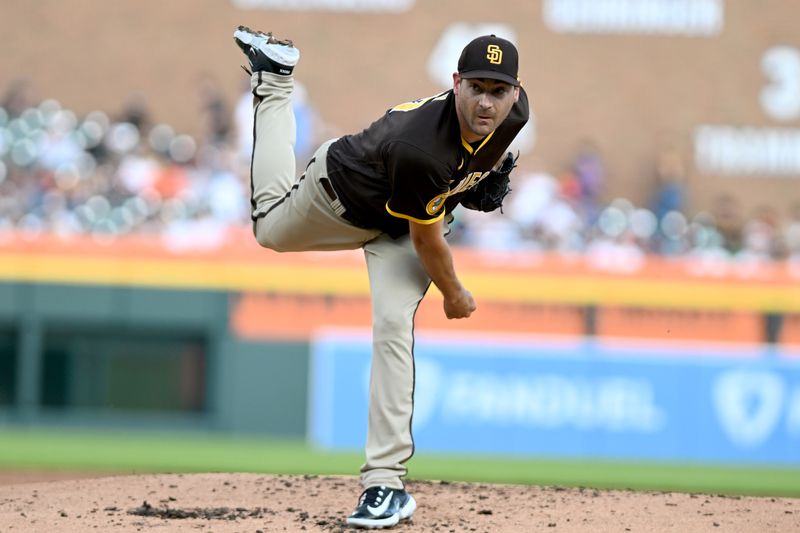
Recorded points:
252,503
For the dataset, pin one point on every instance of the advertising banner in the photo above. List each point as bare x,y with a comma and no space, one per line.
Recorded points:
573,398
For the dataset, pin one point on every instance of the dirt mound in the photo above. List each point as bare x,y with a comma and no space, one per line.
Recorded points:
252,503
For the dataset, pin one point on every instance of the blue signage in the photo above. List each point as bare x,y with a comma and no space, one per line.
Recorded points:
580,399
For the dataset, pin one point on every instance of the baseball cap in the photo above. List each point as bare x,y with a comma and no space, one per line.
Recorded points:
490,56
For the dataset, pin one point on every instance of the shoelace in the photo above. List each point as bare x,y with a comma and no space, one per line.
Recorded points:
373,496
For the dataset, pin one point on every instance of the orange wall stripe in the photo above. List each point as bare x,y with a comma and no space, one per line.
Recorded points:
241,266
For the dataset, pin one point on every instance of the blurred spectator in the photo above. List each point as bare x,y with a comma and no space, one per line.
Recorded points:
307,122
531,193
17,97
215,109
135,112
225,192
570,188
138,171
761,236
615,245
545,218
589,171
673,235
791,232
704,238
729,221
670,192
243,120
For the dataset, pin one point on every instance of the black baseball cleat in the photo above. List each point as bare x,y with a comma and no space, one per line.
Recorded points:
381,507
265,52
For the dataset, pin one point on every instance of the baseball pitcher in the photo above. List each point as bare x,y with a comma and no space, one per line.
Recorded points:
389,190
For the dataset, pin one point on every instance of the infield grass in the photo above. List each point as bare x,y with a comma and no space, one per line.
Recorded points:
122,452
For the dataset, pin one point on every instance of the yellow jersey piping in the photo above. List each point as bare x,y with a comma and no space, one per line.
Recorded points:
417,220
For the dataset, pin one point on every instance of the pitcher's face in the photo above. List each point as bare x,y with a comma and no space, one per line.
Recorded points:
482,104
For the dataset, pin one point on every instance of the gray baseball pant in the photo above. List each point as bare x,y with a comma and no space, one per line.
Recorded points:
301,215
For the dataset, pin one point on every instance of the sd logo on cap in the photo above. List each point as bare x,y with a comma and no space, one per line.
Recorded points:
490,57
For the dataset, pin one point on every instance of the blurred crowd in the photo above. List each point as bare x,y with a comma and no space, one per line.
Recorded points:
106,175
565,212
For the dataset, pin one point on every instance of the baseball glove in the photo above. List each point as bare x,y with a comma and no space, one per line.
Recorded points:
488,195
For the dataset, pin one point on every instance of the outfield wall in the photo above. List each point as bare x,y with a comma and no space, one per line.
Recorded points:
663,361
573,398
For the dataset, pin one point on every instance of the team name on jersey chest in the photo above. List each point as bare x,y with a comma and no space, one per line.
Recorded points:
467,182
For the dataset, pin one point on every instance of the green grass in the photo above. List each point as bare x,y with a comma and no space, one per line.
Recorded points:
118,452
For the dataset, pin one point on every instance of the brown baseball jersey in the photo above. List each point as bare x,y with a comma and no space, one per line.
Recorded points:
413,164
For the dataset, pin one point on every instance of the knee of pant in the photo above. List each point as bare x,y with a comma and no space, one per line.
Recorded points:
266,239
392,324
275,247
263,240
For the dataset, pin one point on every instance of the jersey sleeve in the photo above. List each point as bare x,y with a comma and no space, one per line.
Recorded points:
419,184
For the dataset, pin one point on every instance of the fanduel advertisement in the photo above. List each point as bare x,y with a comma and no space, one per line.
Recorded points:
573,399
